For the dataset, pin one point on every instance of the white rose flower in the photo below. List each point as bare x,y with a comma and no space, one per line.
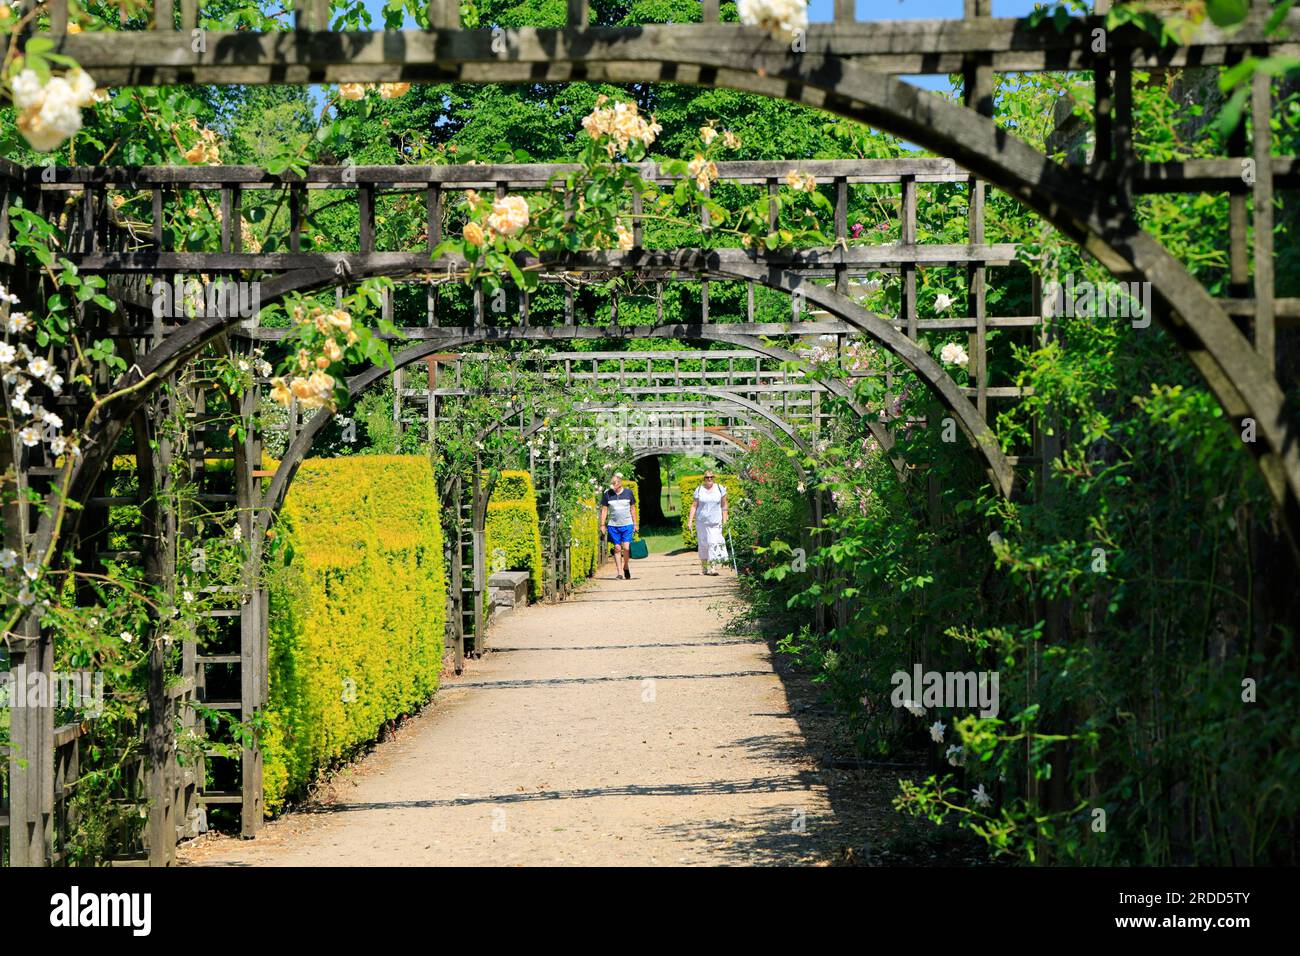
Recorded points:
30,437
8,558
981,797
954,354
781,18
26,87
936,732
55,119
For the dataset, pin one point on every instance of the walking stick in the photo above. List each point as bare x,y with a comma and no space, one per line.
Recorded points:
732,545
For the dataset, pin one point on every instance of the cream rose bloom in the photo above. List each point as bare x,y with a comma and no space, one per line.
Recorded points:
51,113
781,18
509,215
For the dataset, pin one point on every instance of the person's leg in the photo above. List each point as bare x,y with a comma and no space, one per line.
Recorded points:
708,540
622,549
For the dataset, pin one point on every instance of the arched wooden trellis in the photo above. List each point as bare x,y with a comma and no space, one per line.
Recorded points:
847,69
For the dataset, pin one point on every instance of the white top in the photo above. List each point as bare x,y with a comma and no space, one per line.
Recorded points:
708,504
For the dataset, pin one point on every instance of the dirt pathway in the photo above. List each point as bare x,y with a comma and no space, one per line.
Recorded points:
624,726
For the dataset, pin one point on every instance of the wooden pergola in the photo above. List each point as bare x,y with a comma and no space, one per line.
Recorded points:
846,68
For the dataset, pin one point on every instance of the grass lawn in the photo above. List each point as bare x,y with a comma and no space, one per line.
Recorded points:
662,539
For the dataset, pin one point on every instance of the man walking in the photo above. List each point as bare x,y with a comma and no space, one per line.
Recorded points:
618,505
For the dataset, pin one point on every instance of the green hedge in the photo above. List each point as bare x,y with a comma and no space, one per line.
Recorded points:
687,485
514,486
357,614
513,529
584,532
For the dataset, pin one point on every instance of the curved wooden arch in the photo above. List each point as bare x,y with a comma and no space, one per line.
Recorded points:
749,410
996,464
726,457
298,449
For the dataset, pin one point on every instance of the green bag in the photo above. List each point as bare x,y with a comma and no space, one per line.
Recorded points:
640,549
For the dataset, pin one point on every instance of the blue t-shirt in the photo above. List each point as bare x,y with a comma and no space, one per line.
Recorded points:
620,505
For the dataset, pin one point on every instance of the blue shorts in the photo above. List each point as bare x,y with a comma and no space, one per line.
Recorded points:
620,533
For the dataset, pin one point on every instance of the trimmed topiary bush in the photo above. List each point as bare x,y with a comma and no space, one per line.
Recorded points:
514,534
358,609
584,530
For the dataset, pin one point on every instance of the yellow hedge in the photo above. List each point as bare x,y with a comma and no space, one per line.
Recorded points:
687,485
514,534
584,531
357,615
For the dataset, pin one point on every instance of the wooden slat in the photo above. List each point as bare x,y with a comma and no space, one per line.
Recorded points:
907,231
444,14
58,11
893,47
1185,176
164,16
433,211
366,210
1261,100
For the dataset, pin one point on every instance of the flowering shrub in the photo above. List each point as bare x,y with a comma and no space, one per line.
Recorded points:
357,615
544,225
323,343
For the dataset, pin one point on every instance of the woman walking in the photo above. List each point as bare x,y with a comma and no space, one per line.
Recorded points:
708,515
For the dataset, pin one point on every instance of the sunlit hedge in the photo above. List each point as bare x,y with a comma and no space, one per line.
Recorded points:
514,535
687,485
584,530
357,612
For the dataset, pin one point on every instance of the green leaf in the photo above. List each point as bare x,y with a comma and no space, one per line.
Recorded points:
1227,13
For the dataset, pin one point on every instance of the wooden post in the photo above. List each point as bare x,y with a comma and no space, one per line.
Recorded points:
1261,137
907,236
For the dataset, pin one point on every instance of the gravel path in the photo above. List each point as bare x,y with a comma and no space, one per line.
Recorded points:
624,726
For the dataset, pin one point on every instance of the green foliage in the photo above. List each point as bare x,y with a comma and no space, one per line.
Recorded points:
358,612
